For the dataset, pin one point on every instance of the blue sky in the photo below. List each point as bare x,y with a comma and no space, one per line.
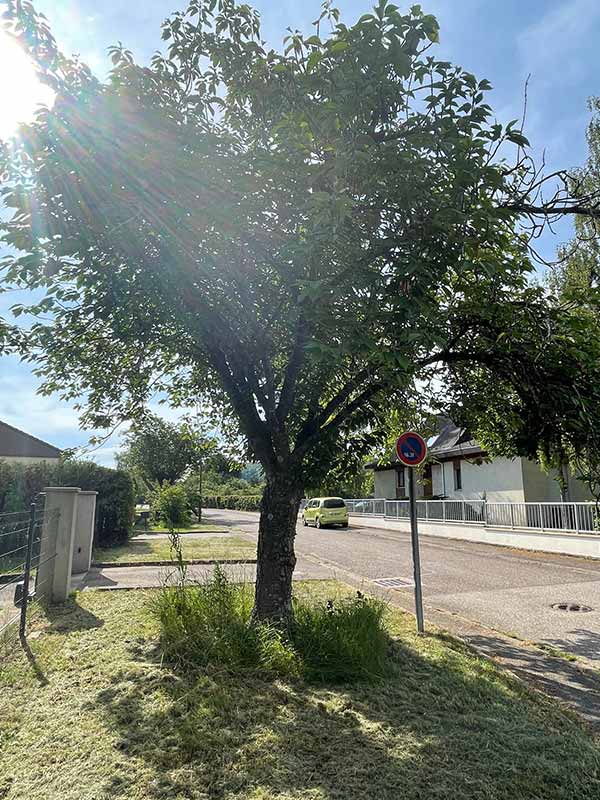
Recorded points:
554,41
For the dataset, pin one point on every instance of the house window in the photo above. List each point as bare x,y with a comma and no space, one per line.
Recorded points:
400,482
457,476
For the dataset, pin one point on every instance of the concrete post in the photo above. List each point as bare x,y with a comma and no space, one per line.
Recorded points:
54,577
84,532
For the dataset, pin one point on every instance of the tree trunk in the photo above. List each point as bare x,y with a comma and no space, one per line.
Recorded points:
276,558
200,491
564,482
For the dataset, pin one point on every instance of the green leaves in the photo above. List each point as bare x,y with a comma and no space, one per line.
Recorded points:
516,137
317,231
431,28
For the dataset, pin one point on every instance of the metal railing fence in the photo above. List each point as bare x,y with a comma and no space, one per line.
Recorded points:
438,510
27,548
566,517
367,507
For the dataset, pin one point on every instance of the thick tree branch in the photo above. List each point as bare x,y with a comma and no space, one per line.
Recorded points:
551,209
286,397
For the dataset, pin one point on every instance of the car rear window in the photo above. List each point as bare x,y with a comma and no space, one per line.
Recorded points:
335,503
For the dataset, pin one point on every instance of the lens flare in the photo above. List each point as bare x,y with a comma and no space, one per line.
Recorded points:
20,89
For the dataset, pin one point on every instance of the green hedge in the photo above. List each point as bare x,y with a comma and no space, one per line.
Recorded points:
237,502
20,483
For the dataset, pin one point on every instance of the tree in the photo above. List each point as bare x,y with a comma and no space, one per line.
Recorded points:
575,279
301,240
160,451
170,505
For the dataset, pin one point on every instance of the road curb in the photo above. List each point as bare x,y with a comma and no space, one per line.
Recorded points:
141,532
170,563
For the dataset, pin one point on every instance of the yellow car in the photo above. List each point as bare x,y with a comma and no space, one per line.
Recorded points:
321,511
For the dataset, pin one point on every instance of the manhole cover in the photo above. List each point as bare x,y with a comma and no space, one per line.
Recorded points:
570,607
394,583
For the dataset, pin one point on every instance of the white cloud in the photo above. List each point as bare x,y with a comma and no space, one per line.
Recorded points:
549,47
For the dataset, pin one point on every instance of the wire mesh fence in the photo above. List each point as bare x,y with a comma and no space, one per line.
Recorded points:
27,552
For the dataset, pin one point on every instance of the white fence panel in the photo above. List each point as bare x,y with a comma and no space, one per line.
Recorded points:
366,506
570,517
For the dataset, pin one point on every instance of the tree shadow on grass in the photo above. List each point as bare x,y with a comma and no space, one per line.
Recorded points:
70,616
444,725
553,675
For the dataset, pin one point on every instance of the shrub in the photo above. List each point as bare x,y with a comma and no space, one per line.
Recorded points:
115,504
21,483
209,624
169,504
236,502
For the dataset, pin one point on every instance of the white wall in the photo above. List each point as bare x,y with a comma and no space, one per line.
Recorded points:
437,479
539,486
385,484
500,480
542,487
503,480
578,490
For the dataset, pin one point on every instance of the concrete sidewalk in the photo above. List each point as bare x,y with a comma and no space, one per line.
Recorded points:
151,577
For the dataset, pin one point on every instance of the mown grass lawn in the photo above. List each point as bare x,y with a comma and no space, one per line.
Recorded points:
105,719
218,548
158,527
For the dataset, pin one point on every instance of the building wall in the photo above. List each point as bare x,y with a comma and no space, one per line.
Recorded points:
385,484
500,480
28,460
539,487
437,479
542,487
503,480
578,491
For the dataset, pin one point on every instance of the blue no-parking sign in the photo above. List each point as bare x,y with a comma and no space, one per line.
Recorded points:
411,449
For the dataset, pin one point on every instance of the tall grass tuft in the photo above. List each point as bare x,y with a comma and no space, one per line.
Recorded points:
209,623
342,640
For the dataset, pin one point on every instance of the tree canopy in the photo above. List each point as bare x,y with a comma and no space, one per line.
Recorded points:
159,451
300,239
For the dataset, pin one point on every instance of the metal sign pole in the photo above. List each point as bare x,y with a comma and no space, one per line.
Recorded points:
414,535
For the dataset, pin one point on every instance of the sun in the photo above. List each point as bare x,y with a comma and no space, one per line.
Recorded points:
20,90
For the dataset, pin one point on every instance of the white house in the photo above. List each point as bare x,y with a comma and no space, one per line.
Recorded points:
18,446
459,468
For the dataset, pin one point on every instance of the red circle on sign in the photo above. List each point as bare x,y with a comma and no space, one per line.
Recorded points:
411,449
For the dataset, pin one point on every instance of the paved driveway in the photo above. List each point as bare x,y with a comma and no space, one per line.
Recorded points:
509,590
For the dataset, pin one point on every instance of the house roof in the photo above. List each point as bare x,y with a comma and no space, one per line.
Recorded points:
454,442
451,441
15,444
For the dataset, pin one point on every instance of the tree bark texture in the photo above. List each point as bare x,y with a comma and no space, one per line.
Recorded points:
276,558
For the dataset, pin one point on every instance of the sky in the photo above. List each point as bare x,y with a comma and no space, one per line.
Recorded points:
554,42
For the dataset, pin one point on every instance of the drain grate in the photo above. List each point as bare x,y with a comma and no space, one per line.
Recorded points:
394,583
571,607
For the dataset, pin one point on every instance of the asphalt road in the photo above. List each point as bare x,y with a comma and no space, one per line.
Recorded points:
505,589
